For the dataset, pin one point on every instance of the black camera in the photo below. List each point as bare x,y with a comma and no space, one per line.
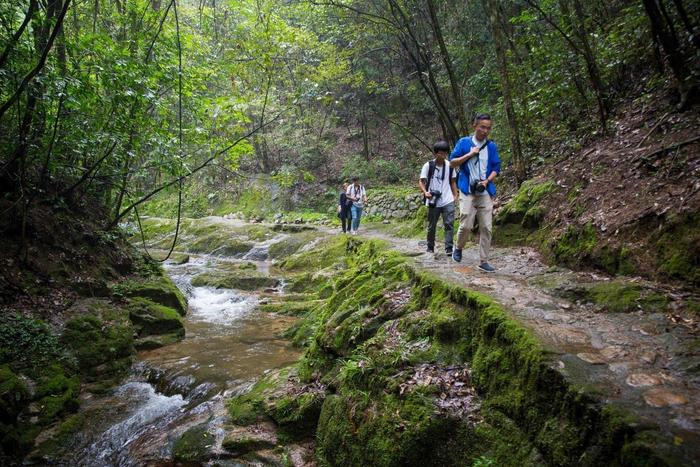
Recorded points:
432,201
477,187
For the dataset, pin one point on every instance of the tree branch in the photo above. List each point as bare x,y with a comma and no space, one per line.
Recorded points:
42,61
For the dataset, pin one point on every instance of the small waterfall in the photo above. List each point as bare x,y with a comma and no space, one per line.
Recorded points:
149,410
228,344
219,306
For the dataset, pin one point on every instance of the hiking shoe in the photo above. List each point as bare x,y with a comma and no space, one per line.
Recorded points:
430,250
486,267
448,251
457,255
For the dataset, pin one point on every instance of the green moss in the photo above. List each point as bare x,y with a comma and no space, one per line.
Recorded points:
219,243
194,444
621,296
559,440
327,252
244,444
60,441
615,296
575,244
151,342
256,232
96,343
355,429
240,280
291,244
152,318
524,207
247,408
693,307
678,249
297,415
179,258
14,395
27,344
505,235
159,289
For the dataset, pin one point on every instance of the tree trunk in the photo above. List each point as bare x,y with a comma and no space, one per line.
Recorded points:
579,30
501,59
689,27
669,44
447,61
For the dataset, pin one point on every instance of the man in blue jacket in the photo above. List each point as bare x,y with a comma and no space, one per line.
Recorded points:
478,162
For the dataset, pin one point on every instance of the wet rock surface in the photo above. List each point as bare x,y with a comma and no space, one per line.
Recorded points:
642,360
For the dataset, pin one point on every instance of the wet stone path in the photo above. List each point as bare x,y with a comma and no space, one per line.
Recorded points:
640,360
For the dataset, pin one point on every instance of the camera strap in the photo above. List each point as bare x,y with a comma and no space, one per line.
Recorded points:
431,172
478,159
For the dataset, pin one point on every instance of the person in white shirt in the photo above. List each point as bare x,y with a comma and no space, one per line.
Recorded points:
357,194
437,183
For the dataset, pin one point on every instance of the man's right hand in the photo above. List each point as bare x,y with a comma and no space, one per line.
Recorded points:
428,194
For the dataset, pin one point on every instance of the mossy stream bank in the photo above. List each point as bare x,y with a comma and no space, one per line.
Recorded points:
402,368
46,370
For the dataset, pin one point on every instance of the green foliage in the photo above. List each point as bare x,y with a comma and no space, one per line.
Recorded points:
27,344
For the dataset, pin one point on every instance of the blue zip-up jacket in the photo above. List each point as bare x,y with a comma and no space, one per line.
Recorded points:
463,146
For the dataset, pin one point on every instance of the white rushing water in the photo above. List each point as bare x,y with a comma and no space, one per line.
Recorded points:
219,306
148,411
228,341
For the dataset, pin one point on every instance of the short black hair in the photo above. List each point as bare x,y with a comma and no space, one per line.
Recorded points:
355,178
441,146
480,117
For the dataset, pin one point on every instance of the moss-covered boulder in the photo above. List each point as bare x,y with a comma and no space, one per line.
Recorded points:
244,443
383,430
151,318
179,258
101,348
156,341
250,406
194,445
525,207
678,249
328,252
57,393
279,396
291,244
38,382
242,280
158,289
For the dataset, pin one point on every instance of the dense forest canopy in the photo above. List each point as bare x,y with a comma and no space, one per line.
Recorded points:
118,99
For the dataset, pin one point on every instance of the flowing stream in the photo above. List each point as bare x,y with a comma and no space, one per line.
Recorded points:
228,344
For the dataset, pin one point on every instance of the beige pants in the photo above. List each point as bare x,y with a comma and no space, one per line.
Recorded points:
481,207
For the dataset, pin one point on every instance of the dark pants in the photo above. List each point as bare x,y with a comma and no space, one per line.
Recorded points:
448,219
345,218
